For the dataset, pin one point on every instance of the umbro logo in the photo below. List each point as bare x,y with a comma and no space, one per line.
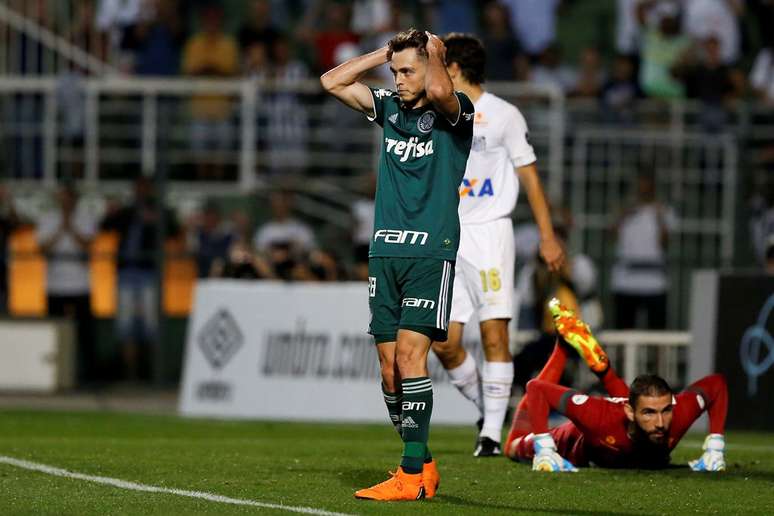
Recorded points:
393,118
408,422
220,339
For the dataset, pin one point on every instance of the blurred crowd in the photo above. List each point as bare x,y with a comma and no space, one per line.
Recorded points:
712,52
661,49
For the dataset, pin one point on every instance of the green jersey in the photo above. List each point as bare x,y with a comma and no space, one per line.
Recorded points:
421,167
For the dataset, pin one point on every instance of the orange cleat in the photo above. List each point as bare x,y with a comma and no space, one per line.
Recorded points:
401,486
430,478
577,334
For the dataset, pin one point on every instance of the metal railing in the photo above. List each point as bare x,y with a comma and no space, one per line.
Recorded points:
102,132
37,38
696,174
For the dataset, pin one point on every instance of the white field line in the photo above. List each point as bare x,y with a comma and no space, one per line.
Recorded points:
133,486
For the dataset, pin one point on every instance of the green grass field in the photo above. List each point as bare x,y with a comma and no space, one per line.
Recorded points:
319,466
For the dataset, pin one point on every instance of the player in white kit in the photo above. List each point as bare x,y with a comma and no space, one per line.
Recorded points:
483,281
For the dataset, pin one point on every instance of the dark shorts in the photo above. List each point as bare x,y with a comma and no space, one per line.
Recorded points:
409,293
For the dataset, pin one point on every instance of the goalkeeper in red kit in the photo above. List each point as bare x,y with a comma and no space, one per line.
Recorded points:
637,427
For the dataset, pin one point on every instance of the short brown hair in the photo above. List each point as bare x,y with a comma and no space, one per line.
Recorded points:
468,52
647,385
411,38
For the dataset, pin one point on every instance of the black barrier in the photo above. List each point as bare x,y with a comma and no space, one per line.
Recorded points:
745,348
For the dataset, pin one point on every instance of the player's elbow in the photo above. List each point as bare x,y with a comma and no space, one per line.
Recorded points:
332,81
534,384
327,81
439,93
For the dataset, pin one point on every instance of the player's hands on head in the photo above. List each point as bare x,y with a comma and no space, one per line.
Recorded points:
552,252
435,46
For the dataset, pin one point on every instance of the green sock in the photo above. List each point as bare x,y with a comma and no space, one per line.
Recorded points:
392,400
417,408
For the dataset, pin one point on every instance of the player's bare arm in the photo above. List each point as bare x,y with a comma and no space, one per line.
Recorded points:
438,85
550,248
343,81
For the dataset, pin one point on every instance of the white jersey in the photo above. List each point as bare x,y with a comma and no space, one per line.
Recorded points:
490,187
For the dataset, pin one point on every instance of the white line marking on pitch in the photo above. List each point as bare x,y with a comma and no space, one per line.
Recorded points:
123,484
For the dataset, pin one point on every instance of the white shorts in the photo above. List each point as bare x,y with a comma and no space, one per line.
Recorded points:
483,275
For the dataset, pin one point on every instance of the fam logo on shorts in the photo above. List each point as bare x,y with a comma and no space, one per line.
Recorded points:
426,122
371,286
220,338
414,302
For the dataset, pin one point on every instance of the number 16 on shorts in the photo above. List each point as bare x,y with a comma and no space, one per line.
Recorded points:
490,280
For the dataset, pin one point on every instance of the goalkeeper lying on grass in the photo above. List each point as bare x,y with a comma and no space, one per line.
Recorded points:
637,428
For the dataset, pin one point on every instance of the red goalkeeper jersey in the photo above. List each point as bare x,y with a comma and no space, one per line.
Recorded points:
597,432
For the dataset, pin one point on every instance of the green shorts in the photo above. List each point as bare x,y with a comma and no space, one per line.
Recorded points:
409,293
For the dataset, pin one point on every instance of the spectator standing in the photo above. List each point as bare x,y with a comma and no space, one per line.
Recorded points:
550,71
282,228
535,23
159,39
719,19
663,47
64,237
334,18
762,76
376,22
259,27
639,279
255,61
502,47
371,19
211,53
287,133
284,240
116,20
209,239
621,92
627,29
445,16
137,318
590,76
9,221
711,82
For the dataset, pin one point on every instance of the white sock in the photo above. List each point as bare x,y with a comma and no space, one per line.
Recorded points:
497,378
465,378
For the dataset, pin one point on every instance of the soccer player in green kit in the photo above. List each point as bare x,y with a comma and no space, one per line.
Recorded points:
427,134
